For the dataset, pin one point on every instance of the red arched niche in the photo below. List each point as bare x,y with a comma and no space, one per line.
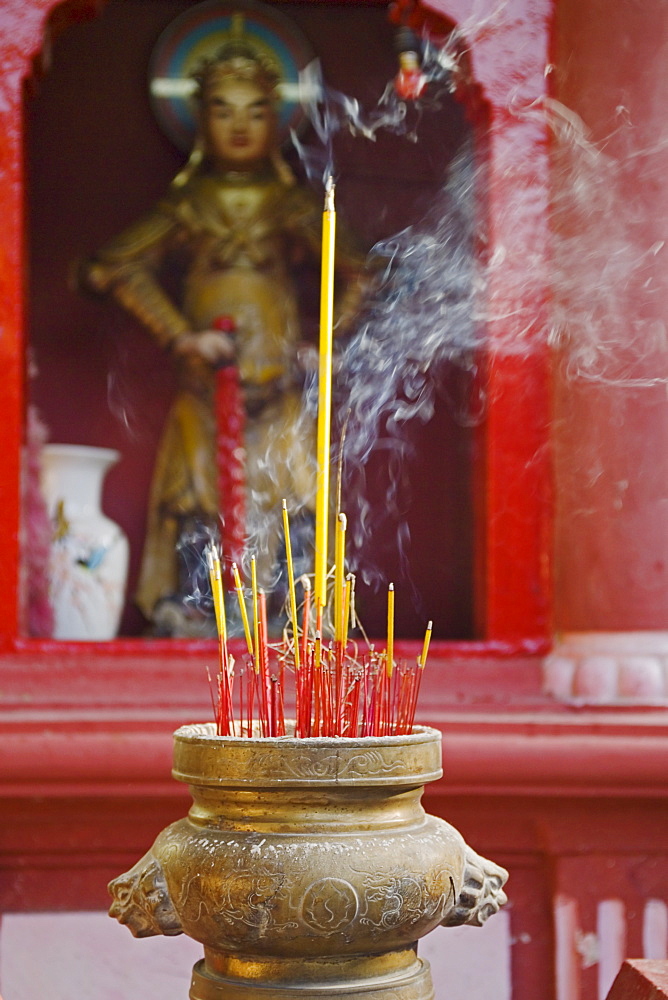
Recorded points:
510,572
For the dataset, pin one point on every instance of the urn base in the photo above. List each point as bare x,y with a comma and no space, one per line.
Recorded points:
318,981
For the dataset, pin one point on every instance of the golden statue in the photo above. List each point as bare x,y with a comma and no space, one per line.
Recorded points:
239,221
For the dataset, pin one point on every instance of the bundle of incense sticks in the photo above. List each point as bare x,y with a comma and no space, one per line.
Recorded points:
338,688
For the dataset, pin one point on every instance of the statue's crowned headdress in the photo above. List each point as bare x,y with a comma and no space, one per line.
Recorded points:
228,39
238,58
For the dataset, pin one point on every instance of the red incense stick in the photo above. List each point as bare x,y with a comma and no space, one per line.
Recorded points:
230,420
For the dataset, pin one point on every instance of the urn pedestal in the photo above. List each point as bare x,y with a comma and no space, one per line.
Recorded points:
307,867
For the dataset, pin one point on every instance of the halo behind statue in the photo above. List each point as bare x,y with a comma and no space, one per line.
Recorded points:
197,34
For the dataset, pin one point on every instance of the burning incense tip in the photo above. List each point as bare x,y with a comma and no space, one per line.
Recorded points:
329,194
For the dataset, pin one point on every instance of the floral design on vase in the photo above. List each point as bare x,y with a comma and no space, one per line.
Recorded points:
88,561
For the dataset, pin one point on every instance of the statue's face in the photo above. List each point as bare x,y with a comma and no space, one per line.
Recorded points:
238,123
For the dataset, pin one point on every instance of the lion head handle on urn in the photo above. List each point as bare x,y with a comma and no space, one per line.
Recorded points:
142,900
481,894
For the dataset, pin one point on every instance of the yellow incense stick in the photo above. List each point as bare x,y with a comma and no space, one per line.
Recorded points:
291,583
324,395
390,630
212,574
345,619
256,616
222,629
242,607
216,589
339,569
425,647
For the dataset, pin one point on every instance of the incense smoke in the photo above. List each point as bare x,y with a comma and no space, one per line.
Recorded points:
435,296
330,112
604,272
431,308
424,315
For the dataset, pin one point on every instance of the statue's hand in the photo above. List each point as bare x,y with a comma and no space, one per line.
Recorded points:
142,900
307,358
212,346
481,894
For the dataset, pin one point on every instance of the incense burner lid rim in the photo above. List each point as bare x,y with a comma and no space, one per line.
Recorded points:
206,731
205,759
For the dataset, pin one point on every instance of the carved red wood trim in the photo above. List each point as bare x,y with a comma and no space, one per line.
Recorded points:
640,979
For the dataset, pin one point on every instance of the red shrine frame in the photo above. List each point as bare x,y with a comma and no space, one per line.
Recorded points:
513,520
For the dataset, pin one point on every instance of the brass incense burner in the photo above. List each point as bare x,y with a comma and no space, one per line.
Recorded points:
307,867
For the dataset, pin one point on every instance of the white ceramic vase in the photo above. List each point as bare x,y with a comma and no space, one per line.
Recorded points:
88,562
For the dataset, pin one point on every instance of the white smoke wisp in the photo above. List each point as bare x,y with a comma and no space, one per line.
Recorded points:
606,280
330,112
427,310
426,315
437,296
